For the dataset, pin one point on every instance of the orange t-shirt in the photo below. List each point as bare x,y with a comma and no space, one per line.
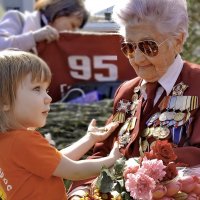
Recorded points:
27,162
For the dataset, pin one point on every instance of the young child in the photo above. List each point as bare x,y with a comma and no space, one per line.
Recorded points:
30,168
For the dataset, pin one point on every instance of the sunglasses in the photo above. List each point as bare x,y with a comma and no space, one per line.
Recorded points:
147,47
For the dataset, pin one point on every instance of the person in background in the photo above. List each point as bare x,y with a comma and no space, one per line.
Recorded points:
162,103
24,30
30,167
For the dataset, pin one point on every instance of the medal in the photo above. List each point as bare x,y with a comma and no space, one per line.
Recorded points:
170,115
123,107
145,132
163,116
151,130
164,133
179,116
153,118
179,89
135,97
124,127
124,139
143,146
161,132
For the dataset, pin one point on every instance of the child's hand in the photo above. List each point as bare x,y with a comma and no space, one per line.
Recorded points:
99,134
115,151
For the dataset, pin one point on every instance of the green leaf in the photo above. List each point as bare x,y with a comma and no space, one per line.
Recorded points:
119,168
118,187
126,196
104,181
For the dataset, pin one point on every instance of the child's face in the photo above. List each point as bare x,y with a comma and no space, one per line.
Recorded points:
32,104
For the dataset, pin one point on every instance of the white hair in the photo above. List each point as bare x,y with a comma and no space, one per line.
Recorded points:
169,16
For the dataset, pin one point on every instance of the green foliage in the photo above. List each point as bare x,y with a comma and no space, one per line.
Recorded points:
112,179
191,49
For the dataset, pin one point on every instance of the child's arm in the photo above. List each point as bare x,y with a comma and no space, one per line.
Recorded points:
83,169
94,134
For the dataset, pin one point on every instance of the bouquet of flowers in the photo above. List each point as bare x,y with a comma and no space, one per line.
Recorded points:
150,177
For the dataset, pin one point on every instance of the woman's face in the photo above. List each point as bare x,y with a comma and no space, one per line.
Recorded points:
69,23
150,68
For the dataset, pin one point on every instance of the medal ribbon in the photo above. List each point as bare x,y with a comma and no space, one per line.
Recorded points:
177,134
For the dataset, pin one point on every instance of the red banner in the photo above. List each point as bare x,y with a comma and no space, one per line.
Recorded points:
85,58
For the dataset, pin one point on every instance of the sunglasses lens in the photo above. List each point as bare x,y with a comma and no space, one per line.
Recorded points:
128,49
148,47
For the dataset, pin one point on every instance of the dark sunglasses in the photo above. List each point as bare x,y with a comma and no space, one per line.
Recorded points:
147,47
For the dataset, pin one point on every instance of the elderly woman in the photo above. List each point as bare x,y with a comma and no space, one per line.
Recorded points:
24,30
162,102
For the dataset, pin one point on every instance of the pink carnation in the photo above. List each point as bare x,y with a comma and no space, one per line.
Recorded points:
153,168
140,185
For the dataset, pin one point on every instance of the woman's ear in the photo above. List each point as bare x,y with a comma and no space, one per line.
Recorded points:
6,108
179,41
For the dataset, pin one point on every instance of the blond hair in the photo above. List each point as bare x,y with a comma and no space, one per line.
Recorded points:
14,66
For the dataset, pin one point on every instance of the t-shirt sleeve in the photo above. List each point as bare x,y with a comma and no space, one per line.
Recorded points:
32,152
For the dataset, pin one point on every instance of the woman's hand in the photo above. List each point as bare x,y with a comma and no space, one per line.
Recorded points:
47,33
100,134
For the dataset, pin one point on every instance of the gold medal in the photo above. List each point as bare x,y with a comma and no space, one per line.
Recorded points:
161,132
144,145
156,132
145,132
179,116
151,130
164,132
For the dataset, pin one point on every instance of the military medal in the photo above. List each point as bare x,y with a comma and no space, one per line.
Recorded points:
145,132
153,118
143,146
163,116
135,97
161,132
124,127
124,139
123,107
179,89
179,116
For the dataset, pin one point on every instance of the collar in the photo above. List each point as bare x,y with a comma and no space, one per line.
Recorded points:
168,80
